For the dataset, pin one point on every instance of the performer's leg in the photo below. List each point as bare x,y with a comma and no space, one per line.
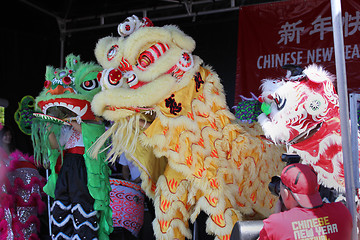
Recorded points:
201,227
85,218
85,222
61,217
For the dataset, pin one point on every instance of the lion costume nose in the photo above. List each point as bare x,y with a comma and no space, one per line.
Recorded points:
59,90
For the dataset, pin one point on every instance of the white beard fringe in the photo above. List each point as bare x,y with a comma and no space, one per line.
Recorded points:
124,135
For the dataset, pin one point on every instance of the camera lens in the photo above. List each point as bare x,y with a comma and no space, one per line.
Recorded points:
274,185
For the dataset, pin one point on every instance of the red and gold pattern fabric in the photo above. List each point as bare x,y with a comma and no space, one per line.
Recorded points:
127,204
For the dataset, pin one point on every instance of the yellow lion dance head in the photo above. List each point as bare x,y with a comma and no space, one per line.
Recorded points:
147,58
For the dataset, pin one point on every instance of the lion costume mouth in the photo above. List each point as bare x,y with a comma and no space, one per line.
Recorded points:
135,109
67,107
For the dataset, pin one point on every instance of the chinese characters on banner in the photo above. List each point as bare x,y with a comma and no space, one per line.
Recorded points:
293,32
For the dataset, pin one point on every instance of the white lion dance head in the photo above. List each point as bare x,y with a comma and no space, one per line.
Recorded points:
303,113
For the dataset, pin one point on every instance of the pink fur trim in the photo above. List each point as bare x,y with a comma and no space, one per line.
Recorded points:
7,200
11,199
34,201
17,155
31,220
18,227
19,183
3,229
34,237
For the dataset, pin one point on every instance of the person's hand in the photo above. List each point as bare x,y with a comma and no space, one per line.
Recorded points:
76,125
48,126
279,206
53,142
137,180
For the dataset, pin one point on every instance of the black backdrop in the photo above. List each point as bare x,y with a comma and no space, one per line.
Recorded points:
31,40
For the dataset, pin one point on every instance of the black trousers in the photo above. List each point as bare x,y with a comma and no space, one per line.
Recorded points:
72,213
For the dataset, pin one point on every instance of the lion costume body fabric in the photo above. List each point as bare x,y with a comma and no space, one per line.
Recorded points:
213,165
304,115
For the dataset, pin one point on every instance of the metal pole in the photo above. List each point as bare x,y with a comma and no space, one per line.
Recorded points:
354,99
49,205
344,110
62,30
62,50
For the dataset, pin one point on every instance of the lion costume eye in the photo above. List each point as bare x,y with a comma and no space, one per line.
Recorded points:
112,52
90,84
280,102
111,78
114,77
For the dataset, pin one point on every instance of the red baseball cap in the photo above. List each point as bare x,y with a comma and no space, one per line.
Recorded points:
301,180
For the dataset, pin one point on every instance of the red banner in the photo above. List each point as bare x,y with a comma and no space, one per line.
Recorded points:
293,32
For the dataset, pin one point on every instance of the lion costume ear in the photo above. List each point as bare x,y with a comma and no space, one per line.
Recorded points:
318,81
49,74
182,40
317,74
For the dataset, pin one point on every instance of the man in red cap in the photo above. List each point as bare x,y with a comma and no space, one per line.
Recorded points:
306,217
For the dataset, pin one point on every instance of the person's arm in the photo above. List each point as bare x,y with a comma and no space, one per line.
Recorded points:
279,207
263,233
126,172
53,142
76,126
137,180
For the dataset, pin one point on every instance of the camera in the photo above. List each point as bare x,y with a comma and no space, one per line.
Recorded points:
274,185
290,158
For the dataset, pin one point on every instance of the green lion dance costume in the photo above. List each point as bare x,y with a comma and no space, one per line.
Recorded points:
78,183
214,165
